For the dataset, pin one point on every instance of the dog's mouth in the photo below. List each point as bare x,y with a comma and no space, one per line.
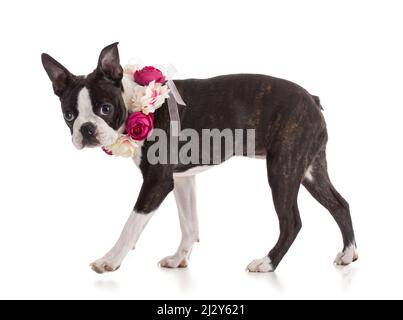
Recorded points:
98,138
90,142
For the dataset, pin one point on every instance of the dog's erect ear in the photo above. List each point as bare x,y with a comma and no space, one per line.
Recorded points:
59,75
109,63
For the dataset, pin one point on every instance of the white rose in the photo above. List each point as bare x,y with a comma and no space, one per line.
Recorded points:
124,147
130,69
149,98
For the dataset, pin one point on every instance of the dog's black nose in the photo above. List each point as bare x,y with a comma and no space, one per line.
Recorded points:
88,130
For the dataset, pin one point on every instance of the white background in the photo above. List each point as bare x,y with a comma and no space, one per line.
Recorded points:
60,209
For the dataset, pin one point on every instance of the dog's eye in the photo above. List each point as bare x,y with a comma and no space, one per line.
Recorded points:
68,116
106,109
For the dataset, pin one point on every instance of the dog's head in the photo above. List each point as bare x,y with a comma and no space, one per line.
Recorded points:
92,105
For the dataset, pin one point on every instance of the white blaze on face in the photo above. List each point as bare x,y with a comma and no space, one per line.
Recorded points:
104,133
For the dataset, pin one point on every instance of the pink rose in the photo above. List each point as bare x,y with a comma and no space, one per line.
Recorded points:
139,125
144,76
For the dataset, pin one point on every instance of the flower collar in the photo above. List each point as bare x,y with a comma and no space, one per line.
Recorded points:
150,90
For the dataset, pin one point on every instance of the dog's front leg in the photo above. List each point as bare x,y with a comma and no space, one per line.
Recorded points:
185,196
152,193
127,240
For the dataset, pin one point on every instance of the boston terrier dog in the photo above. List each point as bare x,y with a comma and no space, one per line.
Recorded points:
290,133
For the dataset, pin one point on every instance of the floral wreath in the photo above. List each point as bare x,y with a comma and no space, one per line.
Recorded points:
150,90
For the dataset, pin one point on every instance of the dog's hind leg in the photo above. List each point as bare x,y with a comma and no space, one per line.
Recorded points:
185,196
285,175
317,182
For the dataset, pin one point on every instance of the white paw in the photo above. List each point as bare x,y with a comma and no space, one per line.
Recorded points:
347,256
105,264
174,262
260,265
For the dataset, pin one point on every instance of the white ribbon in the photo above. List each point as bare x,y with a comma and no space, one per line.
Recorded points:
173,100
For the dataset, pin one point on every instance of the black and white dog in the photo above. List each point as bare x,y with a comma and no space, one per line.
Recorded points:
290,134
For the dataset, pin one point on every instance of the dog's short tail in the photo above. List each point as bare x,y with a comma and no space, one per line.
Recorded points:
317,101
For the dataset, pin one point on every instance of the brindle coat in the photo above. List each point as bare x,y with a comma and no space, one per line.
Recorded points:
290,133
